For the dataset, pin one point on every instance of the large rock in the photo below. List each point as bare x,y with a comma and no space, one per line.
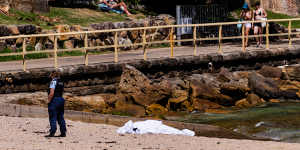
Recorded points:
293,72
111,99
243,103
136,84
126,108
236,90
179,101
208,88
268,88
175,84
289,89
224,75
156,110
37,98
270,72
13,29
4,31
28,29
253,99
63,29
91,103
203,104
264,87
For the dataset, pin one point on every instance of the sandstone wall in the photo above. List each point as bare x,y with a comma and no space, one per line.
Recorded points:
104,78
35,6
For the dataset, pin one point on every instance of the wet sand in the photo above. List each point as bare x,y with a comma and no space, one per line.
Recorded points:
28,134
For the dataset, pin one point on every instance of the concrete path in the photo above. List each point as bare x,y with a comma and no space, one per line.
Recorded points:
135,55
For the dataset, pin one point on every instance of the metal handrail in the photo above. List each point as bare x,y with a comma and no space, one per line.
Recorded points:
144,42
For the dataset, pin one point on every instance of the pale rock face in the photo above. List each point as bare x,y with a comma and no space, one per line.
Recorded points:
4,6
24,5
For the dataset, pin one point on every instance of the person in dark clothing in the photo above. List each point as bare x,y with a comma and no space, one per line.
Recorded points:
56,105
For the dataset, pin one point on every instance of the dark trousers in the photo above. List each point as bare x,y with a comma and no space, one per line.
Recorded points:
56,113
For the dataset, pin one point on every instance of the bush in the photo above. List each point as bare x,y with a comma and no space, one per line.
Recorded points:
132,2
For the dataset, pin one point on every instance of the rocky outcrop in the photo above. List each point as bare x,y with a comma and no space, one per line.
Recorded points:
271,89
125,107
264,87
293,73
271,72
207,87
142,90
138,94
91,103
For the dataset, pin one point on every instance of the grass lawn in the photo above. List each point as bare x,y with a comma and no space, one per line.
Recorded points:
70,16
45,55
272,15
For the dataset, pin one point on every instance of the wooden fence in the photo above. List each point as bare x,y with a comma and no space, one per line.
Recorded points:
196,38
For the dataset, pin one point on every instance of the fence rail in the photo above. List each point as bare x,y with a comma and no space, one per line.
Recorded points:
172,28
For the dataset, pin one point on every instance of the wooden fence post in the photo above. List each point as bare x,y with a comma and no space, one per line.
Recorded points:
220,40
55,52
24,54
116,47
144,45
267,36
172,42
195,40
290,31
243,38
86,56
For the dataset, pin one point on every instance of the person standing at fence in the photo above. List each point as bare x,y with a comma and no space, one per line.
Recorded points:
246,15
56,105
259,14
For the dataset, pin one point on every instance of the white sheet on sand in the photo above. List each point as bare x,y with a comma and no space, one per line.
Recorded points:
152,127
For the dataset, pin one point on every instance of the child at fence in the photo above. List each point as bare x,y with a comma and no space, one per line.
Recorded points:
259,14
246,15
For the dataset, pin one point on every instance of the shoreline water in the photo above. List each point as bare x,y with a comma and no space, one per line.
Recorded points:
27,134
276,121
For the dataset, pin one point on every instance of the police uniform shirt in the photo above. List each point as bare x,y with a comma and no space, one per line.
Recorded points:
58,87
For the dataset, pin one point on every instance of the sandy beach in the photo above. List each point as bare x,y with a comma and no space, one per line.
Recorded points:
28,134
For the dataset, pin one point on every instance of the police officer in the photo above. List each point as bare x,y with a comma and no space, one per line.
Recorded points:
56,105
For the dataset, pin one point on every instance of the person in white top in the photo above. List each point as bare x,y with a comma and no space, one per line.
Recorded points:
259,14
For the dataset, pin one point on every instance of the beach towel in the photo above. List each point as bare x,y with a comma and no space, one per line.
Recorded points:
104,7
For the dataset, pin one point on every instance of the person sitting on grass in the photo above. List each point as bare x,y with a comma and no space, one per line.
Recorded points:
115,4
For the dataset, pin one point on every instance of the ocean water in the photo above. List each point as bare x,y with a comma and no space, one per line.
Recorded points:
276,121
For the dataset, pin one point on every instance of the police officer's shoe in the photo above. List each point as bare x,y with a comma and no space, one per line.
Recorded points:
50,135
62,135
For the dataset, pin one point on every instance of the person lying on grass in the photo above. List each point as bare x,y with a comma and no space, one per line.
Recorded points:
115,4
